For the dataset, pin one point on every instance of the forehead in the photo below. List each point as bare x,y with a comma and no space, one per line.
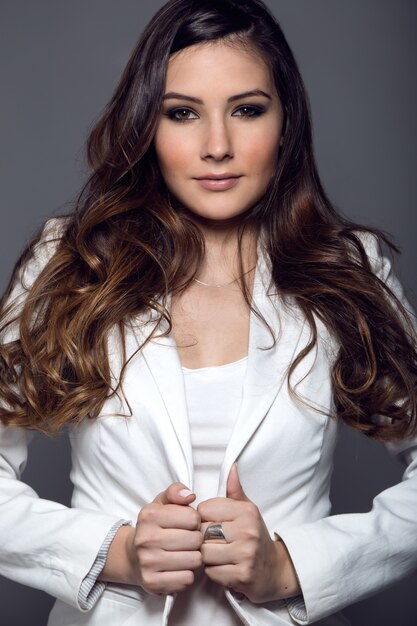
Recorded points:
230,67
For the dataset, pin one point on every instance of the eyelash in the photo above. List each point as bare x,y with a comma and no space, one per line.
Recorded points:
256,112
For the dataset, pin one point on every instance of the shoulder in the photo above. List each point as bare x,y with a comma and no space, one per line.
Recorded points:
380,263
50,235
383,266
42,249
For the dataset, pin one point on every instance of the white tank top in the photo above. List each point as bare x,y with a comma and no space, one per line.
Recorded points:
213,398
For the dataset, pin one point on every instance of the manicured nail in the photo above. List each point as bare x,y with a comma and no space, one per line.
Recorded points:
184,493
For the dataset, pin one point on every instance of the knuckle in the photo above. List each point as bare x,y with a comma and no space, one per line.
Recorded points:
247,552
201,508
146,560
148,514
245,576
253,534
185,580
251,509
198,560
188,578
150,582
195,518
143,539
204,552
199,539
139,541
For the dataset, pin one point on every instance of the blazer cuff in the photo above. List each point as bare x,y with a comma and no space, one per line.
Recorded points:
297,610
91,588
296,605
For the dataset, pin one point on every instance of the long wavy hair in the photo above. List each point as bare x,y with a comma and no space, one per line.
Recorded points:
129,243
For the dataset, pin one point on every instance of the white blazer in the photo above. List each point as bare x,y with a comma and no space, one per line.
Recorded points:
284,453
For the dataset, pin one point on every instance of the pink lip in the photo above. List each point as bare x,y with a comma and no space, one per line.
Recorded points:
220,184
221,176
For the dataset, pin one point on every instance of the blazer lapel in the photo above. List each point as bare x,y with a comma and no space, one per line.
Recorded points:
266,368
163,363
265,375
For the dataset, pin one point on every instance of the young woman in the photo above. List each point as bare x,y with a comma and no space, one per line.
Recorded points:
202,324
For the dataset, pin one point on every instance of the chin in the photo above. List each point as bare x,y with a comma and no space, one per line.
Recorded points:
217,217
217,213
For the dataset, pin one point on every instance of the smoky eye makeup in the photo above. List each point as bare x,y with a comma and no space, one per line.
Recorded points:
250,110
185,114
175,114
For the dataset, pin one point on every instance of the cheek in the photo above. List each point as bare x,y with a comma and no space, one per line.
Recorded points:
262,154
172,157
264,160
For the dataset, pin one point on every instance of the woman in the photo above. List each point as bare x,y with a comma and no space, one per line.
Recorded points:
202,323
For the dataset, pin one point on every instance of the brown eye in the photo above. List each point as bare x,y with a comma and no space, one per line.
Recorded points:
180,115
248,111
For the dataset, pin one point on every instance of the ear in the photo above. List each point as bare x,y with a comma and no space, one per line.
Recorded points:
234,488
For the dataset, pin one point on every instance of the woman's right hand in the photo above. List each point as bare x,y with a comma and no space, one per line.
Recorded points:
163,551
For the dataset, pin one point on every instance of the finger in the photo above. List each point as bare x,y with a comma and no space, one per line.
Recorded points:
221,509
219,554
229,532
234,489
163,561
177,493
170,516
178,539
224,575
163,583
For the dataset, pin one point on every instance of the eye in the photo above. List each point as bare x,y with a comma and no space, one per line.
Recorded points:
249,111
180,115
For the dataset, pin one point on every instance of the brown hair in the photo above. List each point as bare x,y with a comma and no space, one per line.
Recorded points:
129,243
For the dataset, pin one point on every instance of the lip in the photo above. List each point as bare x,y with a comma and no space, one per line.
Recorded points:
217,176
218,182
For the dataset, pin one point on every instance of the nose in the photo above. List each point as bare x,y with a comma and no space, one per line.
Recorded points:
217,143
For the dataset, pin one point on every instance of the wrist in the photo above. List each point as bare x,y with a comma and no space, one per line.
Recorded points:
120,566
287,582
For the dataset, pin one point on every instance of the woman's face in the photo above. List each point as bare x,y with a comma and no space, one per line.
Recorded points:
221,117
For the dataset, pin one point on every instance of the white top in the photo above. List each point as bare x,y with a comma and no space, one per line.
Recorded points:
213,400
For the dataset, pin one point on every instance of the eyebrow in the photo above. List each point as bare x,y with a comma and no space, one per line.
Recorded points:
173,95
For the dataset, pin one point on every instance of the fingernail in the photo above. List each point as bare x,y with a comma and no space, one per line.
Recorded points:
184,493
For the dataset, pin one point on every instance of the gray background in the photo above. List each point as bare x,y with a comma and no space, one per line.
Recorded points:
59,62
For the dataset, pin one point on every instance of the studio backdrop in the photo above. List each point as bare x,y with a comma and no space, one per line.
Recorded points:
59,63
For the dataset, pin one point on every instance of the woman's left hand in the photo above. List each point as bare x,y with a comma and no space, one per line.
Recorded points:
250,562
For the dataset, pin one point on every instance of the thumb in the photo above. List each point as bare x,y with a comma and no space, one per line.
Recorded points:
177,493
234,488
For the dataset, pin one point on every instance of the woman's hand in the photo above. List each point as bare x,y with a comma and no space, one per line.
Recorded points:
167,542
163,551
250,562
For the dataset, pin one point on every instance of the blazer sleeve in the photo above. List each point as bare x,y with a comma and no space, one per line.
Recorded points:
345,558
43,544
342,559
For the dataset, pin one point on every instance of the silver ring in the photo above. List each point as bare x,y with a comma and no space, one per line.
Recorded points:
214,531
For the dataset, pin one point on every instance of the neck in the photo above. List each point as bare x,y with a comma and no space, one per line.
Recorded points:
221,262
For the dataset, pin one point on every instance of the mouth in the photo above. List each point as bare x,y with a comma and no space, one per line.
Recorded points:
220,183
224,176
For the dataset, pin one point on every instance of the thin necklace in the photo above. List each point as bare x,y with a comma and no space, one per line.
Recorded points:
200,282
